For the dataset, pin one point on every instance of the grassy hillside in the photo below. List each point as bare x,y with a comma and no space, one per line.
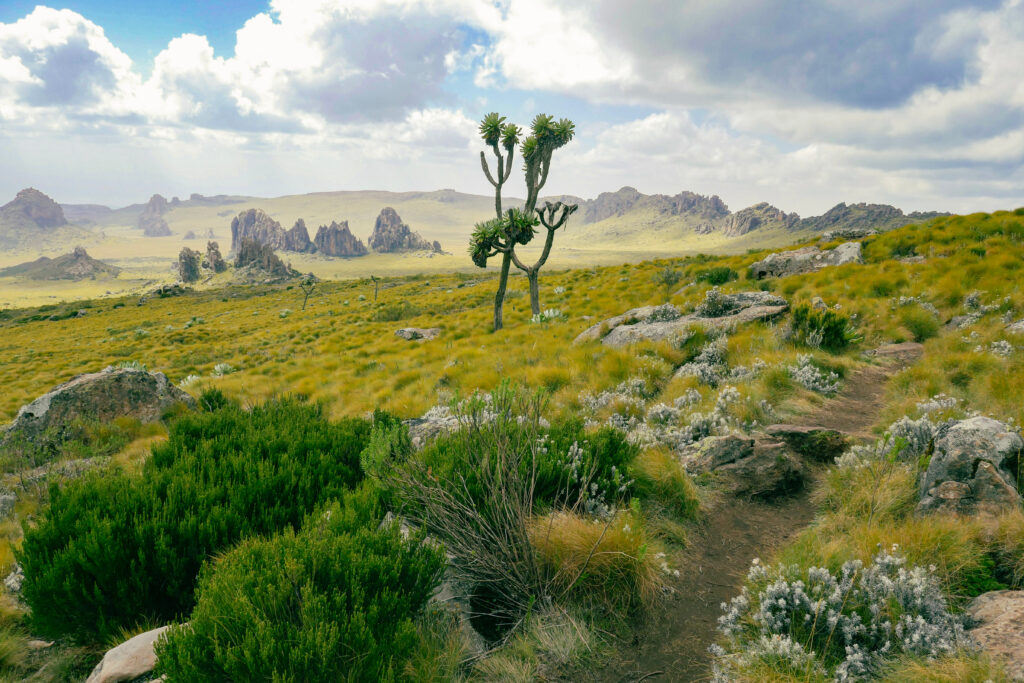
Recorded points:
254,343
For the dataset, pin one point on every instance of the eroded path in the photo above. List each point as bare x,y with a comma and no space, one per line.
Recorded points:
673,644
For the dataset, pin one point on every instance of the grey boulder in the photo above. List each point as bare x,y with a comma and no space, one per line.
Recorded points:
806,260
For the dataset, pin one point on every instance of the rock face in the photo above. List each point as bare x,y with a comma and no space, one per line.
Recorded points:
806,260
35,207
762,215
656,323
391,234
972,469
214,260
129,661
751,468
260,263
418,333
95,397
256,226
337,240
297,239
999,629
864,216
612,204
77,265
151,220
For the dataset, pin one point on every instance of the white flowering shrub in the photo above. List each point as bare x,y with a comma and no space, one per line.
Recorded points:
130,365
661,414
188,381
709,366
1001,347
973,300
221,369
663,314
691,398
910,439
811,377
559,290
939,403
845,625
548,315
742,373
715,304
285,312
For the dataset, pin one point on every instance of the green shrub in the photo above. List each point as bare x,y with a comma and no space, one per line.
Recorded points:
820,329
393,312
333,602
922,324
718,275
114,550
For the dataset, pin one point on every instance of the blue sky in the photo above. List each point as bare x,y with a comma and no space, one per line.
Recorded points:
801,104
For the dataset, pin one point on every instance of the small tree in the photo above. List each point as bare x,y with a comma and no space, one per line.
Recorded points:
188,265
376,285
668,277
506,230
308,284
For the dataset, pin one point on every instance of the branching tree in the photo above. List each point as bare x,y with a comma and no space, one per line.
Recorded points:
502,234
308,284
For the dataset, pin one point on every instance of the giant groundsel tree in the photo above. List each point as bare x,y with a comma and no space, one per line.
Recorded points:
508,229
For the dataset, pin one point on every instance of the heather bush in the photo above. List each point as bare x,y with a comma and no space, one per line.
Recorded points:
811,377
335,601
113,550
820,329
845,625
718,275
922,324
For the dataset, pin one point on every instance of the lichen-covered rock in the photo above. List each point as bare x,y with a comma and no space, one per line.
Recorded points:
337,240
129,661
391,234
95,397
656,323
999,628
713,452
972,468
750,468
806,260
418,333
816,443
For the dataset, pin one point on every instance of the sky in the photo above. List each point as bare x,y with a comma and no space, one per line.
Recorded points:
802,104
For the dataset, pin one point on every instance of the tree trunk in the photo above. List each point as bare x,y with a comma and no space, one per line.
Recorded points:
499,297
533,275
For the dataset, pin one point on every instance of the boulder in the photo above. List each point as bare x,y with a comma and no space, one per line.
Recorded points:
129,661
999,628
624,335
750,468
95,397
818,304
972,468
806,260
815,443
391,234
337,240
418,333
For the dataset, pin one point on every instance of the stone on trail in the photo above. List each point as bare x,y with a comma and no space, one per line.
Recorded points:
999,629
816,443
129,661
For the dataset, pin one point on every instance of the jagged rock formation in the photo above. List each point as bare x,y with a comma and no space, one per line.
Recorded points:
256,226
610,204
762,215
805,260
258,262
297,239
337,240
35,207
391,234
864,216
151,220
213,258
51,419
77,265
189,262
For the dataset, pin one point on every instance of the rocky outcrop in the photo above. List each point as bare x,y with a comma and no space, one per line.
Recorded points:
151,220
214,260
848,233
814,443
77,265
297,239
657,323
258,263
51,419
164,292
129,661
758,468
806,260
863,216
613,204
337,240
33,206
972,468
998,618
189,264
418,333
390,234
256,226
759,216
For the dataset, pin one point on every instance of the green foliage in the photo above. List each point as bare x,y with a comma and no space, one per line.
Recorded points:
395,311
922,324
820,329
113,550
334,602
718,275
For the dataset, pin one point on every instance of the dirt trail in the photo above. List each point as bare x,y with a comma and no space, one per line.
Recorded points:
673,644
